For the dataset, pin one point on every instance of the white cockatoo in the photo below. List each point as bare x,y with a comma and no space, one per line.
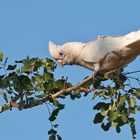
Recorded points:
104,54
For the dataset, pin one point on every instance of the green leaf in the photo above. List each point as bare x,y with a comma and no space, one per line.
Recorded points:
88,84
55,103
29,93
75,94
137,93
131,102
59,84
106,126
11,75
42,95
96,83
72,96
22,82
133,129
22,103
52,132
55,126
50,65
118,129
58,105
97,93
1,56
5,97
39,78
27,67
61,106
59,137
101,105
138,108
39,87
124,118
54,115
32,101
98,118
2,76
113,115
48,87
104,112
48,77
5,82
52,137
37,63
122,100
10,67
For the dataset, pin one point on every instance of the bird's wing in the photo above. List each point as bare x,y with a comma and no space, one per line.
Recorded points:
97,49
132,50
120,57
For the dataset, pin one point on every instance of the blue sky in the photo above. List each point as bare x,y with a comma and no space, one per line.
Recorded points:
26,26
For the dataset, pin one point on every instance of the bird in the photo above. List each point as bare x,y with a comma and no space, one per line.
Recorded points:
103,54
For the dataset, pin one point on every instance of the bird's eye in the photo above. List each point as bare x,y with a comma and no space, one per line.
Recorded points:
61,53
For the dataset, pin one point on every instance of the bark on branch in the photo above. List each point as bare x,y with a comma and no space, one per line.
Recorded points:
52,96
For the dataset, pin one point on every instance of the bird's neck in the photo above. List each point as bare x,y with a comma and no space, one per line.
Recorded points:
76,53
73,50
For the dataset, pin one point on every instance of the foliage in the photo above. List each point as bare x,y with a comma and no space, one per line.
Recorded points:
30,82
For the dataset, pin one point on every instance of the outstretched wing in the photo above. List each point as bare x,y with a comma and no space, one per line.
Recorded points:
97,49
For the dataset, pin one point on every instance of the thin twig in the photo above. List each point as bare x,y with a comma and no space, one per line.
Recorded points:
138,80
49,114
129,82
132,72
68,90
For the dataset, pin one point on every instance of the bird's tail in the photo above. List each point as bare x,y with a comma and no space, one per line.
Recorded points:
131,50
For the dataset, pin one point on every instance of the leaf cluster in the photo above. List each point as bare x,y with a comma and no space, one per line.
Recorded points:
31,82
118,105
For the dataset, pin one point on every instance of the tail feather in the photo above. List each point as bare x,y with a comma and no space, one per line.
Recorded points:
131,50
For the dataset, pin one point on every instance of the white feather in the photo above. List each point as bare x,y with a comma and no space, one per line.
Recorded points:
106,53
53,50
96,50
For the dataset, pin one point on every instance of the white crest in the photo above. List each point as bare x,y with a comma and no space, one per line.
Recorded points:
54,51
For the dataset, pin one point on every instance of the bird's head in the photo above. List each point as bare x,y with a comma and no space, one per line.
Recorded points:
65,54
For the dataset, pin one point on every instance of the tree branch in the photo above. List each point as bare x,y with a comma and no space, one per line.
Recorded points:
68,90
132,72
49,97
